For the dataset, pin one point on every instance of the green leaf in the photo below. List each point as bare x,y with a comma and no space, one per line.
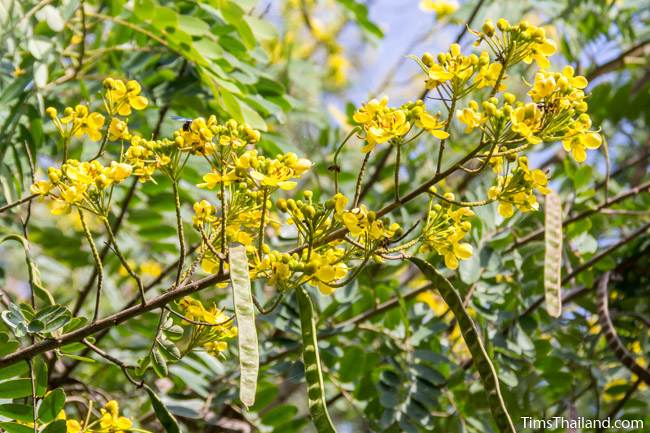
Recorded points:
51,405
159,363
17,411
15,319
360,12
553,254
12,427
471,336
164,416
17,369
234,15
313,370
58,426
16,388
249,358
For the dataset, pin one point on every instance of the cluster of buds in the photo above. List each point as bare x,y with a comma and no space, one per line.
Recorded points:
81,184
516,190
457,74
380,123
211,329
515,43
77,121
445,229
147,156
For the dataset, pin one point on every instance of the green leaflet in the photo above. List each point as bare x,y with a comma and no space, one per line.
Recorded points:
553,254
34,274
249,358
164,416
311,359
480,357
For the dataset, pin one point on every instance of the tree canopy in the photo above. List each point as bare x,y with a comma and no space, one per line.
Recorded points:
296,215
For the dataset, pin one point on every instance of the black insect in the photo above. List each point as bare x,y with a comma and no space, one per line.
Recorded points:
187,122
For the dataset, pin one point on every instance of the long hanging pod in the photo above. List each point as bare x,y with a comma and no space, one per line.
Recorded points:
249,358
313,370
553,254
471,336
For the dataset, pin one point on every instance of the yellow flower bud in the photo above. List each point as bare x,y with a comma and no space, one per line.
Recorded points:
488,28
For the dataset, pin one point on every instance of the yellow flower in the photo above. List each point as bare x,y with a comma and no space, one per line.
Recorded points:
119,171
462,251
118,130
578,82
338,66
279,172
73,426
526,120
441,8
203,213
213,179
91,125
328,267
435,302
211,338
437,75
121,97
517,189
540,49
470,116
340,201
488,74
431,124
581,141
41,187
111,419
443,232
381,123
277,264
579,138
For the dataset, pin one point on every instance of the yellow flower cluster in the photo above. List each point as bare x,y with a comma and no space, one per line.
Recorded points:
212,328
110,421
562,99
81,184
77,121
147,156
557,112
444,231
366,227
459,74
515,43
325,268
381,123
516,190
198,135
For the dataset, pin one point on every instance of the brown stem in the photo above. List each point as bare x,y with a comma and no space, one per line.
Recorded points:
538,234
112,320
18,202
613,341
